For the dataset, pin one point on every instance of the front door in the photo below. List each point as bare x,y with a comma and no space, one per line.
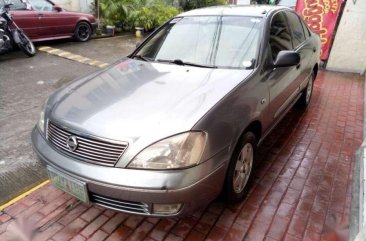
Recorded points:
42,9
281,82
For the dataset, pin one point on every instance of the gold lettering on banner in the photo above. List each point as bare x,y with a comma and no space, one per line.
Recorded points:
313,13
326,6
334,6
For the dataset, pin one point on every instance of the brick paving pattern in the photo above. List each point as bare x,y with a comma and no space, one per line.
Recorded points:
301,189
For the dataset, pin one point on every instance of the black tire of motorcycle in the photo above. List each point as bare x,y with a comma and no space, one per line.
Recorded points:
24,41
11,47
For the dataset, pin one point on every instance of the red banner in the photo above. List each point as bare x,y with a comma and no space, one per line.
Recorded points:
321,17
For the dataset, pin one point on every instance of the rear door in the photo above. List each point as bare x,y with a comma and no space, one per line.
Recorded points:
303,46
42,10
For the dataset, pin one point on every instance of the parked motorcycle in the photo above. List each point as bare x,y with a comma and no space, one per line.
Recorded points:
10,33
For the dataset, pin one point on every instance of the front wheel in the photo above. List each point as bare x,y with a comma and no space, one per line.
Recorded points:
26,45
240,168
83,32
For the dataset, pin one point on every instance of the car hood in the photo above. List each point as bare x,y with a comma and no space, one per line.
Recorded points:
141,102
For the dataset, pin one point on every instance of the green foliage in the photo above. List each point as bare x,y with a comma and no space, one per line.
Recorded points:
153,15
114,11
192,4
142,18
148,14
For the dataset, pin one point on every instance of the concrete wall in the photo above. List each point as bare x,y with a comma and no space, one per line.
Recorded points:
75,5
349,48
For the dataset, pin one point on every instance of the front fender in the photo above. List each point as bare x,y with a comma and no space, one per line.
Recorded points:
87,19
15,34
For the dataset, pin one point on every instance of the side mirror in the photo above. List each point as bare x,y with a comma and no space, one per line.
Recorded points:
286,58
57,8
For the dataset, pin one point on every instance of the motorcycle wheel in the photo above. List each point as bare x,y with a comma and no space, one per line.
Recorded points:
26,45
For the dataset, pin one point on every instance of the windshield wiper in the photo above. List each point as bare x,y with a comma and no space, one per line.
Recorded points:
141,58
181,62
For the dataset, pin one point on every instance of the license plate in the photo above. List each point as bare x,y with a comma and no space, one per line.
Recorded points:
68,184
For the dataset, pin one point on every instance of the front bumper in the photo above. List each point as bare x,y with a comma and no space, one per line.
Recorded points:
193,187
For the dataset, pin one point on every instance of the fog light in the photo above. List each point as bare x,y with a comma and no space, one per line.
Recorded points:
166,208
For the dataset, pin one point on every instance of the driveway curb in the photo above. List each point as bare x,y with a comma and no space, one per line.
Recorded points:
358,211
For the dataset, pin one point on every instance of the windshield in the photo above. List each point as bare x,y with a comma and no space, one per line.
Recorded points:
217,41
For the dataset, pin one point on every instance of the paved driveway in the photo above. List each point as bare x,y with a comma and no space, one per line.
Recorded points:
302,189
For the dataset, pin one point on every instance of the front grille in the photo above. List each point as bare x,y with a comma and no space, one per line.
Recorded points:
120,205
87,149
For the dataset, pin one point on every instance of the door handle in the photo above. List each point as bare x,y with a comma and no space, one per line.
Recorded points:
40,15
314,49
298,66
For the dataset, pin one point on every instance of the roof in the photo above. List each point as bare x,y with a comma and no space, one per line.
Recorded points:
240,10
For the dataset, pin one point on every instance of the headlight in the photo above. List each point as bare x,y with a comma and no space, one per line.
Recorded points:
179,151
41,118
41,122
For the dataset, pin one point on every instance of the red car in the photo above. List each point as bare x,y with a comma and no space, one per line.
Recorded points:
43,20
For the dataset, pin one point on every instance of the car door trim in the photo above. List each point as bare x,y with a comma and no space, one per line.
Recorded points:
280,117
286,103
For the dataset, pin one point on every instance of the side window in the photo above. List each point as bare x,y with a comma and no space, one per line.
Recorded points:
306,29
279,37
296,28
41,5
17,4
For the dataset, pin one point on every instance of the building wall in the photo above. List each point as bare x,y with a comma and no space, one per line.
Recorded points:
349,48
242,2
75,5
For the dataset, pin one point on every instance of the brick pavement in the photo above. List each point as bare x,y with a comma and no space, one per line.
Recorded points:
301,190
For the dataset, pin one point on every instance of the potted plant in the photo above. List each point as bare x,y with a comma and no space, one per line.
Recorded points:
110,29
143,20
114,12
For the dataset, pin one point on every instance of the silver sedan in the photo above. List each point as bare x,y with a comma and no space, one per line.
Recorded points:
168,128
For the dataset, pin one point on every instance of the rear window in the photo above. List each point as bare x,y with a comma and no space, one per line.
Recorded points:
296,28
17,4
306,29
41,5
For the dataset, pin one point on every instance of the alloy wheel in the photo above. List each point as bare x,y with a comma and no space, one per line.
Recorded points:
83,32
309,90
243,168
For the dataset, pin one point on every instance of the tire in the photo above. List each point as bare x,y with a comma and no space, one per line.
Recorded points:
10,47
83,32
240,169
307,93
26,45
